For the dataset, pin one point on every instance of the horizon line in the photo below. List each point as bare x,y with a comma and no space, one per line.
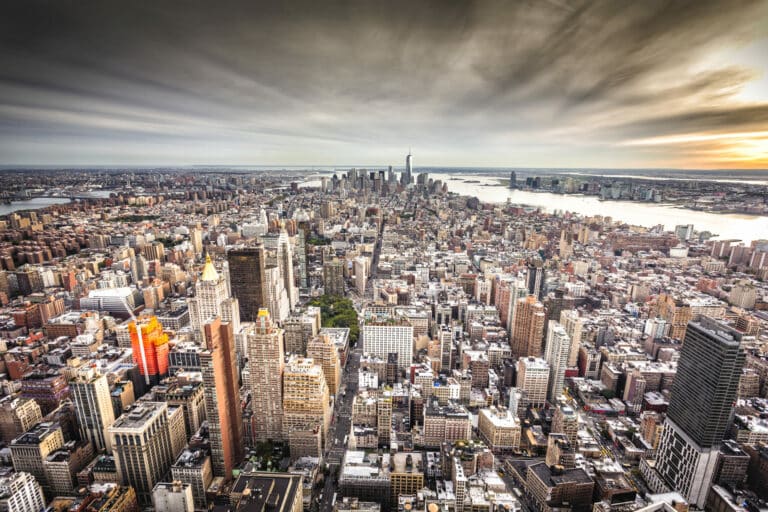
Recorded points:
7,167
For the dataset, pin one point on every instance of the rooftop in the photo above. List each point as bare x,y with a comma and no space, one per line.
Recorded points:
137,417
37,434
266,491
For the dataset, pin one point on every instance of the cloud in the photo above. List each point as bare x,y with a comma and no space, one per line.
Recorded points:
486,82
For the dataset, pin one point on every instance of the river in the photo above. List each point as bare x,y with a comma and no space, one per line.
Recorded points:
488,189
31,204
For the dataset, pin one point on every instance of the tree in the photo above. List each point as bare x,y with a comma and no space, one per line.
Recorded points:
338,312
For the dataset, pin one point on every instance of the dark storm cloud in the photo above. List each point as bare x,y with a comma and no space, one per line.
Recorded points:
737,119
302,80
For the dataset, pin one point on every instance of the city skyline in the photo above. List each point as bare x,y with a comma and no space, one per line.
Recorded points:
376,341
552,84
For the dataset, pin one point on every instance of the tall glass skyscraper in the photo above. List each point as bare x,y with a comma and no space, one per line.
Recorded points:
248,281
703,395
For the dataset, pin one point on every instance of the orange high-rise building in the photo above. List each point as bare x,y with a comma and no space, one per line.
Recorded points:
155,347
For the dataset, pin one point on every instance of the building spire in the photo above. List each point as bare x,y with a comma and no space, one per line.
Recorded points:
209,271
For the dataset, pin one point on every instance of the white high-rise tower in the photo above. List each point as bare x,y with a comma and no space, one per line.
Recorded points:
95,415
212,299
557,351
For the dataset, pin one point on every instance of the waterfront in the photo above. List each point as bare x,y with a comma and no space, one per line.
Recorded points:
488,189
32,204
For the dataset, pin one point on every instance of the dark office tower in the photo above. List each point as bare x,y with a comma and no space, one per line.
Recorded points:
222,397
248,282
700,408
535,278
513,179
333,277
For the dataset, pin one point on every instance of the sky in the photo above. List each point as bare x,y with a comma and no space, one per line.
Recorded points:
558,83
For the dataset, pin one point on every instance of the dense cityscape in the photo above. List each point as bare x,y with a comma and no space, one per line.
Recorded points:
365,339
399,256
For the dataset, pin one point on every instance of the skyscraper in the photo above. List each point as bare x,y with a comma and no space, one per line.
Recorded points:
535,278
144,446
211,299
17,415
29,450
382,337
285,262
196,240
21,493
557,351
246,272
156,348
277,300
528,328
333,277
700,409
445,336
222,397
513,179
266,366
407,178
90,391
301,255
566,421
533,380
325,354
305,399
573,325
361,274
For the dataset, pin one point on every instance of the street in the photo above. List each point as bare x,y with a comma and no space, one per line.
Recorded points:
340,427
342,413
